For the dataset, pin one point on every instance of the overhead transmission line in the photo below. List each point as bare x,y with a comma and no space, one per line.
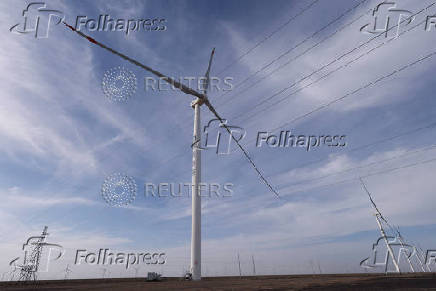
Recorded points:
335,60
365,176
267,37
331,62
185,90
367,85
299,55
383,140
409,152
300,43
354,149
317,80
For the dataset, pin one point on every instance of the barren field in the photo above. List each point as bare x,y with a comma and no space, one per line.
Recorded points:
291,282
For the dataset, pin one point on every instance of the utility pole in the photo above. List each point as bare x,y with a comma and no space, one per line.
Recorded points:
254,265
104,272
136,271
319,267
67,272
313,268
196,180
239,263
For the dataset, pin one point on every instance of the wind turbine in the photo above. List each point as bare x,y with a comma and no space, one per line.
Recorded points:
196,159
105,271
136,271
67,272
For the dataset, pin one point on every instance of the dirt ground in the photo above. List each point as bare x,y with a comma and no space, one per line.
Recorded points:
292,282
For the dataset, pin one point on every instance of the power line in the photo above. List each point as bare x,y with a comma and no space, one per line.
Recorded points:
431,125
244,151
300,43
370,84
185,90
258,81
383,140
366,176
268,36
409,152
319,79
334,60
326,65
354,92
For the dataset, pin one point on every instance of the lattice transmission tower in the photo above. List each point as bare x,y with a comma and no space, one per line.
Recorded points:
32,257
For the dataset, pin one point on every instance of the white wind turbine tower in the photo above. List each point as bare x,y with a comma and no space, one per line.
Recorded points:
196,180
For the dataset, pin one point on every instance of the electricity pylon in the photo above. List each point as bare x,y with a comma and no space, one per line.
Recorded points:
29,269
378,217
67,272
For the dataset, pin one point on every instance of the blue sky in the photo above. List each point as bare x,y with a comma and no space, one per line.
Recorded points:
60,137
